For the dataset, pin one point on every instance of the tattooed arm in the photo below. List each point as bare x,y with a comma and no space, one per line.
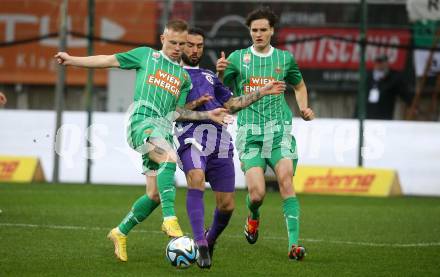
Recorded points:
234,104
198,102
218,115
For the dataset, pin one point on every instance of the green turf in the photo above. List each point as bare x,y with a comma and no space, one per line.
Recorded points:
64,234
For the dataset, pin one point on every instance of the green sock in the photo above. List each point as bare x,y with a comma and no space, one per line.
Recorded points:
253,207
291,214
141,209
167,189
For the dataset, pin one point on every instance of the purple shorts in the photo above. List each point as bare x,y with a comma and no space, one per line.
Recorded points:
219,172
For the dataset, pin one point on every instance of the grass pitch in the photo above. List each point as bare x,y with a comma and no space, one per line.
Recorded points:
60,230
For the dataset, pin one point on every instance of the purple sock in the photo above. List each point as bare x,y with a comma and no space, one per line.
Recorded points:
196,214
221,220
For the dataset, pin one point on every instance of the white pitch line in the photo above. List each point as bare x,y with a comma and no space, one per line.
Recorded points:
371,244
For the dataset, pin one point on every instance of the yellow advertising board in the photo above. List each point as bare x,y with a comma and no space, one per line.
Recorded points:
20,169
347,181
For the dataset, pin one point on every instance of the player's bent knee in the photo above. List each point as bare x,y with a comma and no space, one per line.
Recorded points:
285,175
257,196
256,190
225,202
168,157
163,157
196,179
226,207
286,188
172,157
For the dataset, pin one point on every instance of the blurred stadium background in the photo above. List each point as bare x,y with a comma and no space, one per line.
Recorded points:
401,156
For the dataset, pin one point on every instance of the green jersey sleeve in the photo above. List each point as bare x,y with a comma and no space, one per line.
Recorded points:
231,71
132,59
186,87
293,75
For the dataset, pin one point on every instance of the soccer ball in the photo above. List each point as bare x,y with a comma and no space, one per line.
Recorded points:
181,252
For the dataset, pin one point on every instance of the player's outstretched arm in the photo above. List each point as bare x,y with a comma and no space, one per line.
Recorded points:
235,104
198,102
100,61
219,115
301,98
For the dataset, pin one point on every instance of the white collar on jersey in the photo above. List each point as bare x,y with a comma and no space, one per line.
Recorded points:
262,55
190,67
167,58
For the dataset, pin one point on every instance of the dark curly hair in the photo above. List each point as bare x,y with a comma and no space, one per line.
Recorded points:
262,13
196,31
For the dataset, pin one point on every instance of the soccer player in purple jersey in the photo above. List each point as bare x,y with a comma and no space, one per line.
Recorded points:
205,148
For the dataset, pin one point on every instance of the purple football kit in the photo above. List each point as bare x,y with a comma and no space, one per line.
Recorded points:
204,144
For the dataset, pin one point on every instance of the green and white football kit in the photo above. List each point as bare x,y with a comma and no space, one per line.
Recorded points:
263,136
161,85
264,127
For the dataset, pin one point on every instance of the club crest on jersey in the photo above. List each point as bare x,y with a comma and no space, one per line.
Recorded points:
278,70
156,56
247,58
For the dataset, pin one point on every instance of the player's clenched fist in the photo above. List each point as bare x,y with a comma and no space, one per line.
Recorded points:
222,63
307,114
62,58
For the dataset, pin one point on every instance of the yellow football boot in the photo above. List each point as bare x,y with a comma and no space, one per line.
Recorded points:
120,242
171,227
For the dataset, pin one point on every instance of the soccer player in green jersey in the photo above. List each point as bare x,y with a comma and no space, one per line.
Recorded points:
263,136
161,87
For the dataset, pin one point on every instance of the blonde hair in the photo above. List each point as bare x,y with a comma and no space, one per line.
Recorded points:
176,25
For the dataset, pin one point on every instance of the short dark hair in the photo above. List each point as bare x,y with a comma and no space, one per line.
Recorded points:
262,13
177,25
196,31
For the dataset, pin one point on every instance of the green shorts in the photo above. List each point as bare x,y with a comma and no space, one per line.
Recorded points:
140,134
267,149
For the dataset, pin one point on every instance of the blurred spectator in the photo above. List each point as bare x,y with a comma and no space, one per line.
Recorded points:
3,99
384,85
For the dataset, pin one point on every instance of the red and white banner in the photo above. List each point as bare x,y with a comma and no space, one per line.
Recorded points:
329,53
